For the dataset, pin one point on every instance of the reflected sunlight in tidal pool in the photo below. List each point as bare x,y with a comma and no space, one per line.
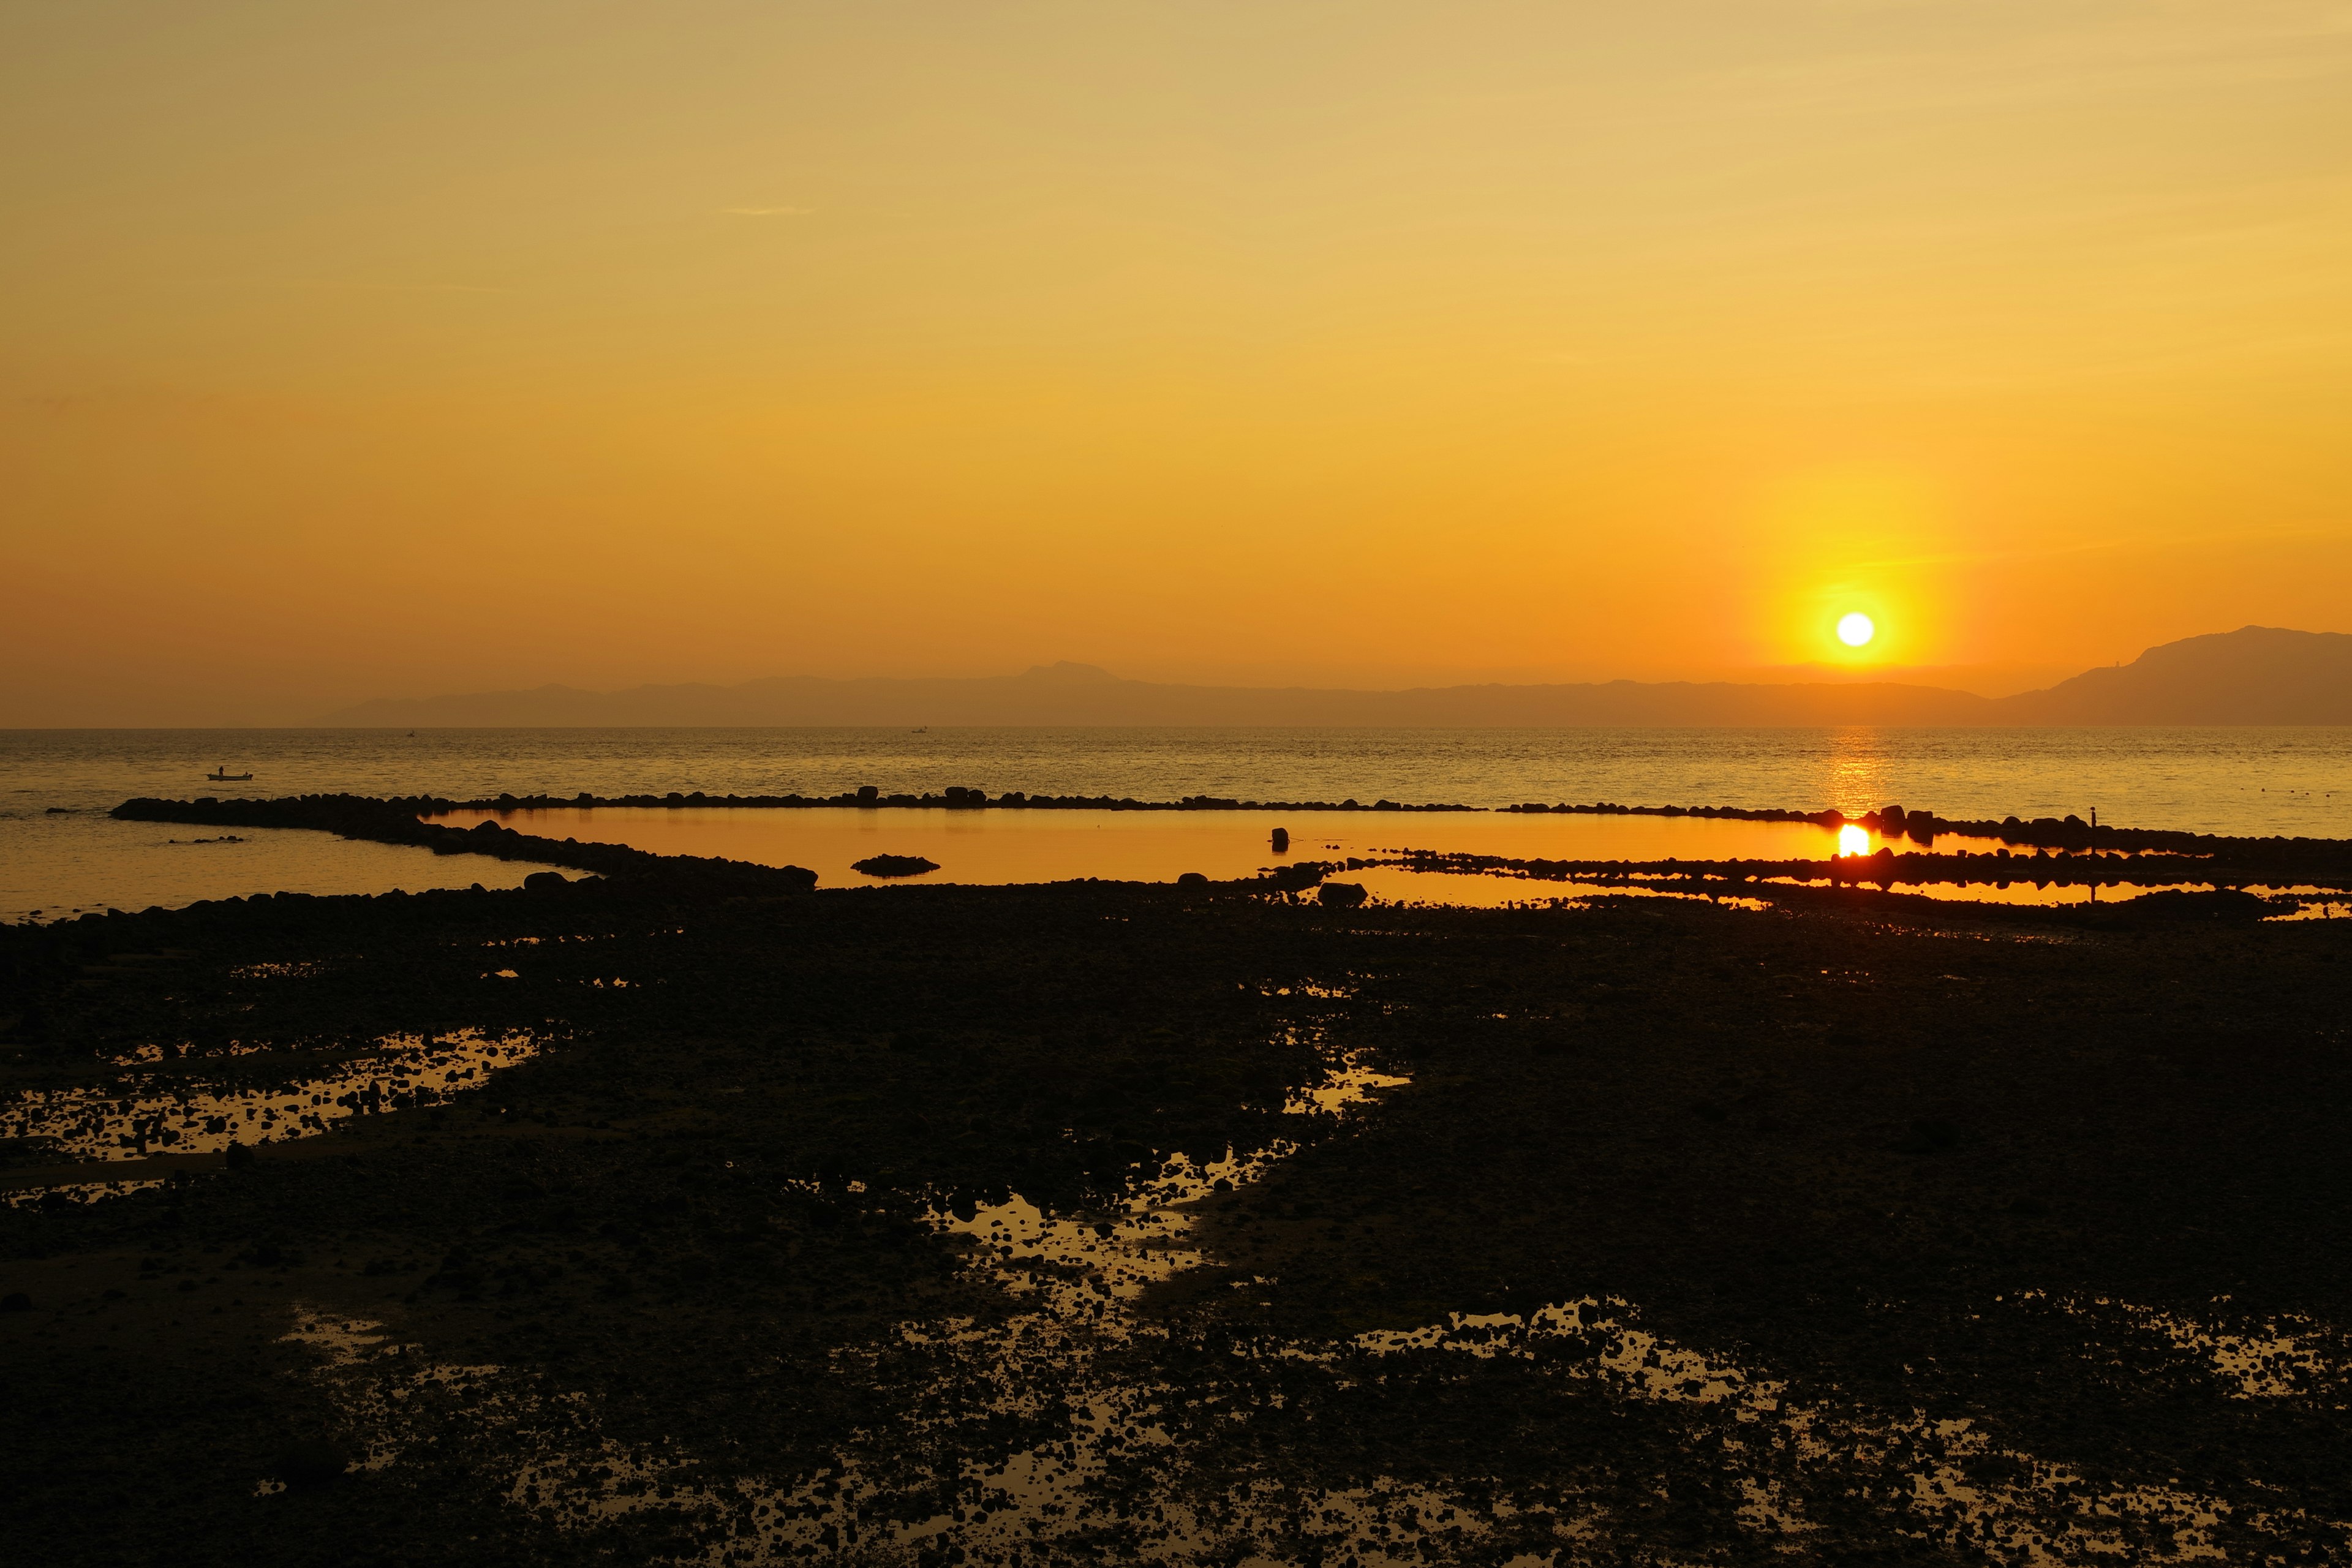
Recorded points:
997,847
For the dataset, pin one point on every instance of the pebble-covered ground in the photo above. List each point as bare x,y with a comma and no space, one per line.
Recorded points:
625,1222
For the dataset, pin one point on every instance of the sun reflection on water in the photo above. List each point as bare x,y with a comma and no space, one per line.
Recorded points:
1857,769
1854,840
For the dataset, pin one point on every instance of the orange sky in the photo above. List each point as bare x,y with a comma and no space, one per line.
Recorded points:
385,350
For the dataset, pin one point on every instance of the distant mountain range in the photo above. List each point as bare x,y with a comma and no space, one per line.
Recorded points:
2257,675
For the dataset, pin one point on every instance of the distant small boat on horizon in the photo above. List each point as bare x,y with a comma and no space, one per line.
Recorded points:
222,776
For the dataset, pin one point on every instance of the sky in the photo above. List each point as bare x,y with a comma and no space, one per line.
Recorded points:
355,351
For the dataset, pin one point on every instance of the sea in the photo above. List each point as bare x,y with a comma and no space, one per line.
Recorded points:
61,856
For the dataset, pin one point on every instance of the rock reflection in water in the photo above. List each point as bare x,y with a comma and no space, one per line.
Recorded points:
156,1115
1962,1489
1081,1276
75,1193
1077,1278
1124,1454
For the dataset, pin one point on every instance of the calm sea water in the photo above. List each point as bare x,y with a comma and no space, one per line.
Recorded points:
2246,781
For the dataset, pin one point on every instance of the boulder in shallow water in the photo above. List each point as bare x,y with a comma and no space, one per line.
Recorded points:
894,866
545,881
1341,895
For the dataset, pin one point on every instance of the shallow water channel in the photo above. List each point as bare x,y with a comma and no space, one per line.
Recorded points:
999,847
996,846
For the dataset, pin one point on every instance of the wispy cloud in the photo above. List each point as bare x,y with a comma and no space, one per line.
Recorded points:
767,212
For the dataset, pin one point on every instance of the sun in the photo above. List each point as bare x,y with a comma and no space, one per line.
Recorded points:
1856,629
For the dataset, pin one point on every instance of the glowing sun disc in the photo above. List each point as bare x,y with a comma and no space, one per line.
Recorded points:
1855,629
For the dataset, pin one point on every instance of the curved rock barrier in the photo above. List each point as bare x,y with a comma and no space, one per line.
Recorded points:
398,821
2213,890
952,798
2070,833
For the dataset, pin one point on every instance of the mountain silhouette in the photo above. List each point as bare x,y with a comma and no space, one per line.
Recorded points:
2257,675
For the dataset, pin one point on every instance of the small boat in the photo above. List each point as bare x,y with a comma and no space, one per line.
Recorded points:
222,776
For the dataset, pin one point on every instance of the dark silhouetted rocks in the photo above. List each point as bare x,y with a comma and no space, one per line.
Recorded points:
872,796
1294,879
1899,1176
400,821
310,1465
894,866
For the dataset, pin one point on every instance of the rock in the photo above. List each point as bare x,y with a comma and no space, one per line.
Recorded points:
545,881
1928,1135
310,1465
894,866
1191,879
2219,905
1282,841
1341,895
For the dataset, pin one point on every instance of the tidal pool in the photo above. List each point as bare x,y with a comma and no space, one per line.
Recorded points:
996,846
162,1112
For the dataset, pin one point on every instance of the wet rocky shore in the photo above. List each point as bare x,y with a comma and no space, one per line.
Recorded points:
683,1214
